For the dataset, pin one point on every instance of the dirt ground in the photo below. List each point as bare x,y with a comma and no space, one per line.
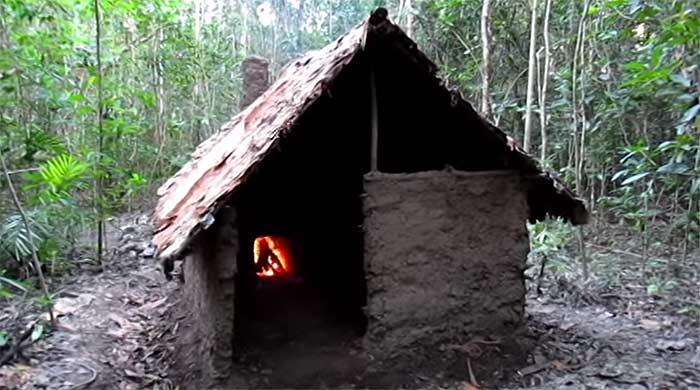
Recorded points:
110,332
298,342
117,330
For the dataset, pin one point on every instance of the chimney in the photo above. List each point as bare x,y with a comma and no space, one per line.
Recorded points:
255,79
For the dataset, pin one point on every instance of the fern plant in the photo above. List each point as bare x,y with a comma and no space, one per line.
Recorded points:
38,141
54,193
14,237
58,177
546,240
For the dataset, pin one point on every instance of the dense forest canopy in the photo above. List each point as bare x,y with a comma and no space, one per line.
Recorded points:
101,100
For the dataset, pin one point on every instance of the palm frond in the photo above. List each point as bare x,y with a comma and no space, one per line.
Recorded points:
59,176
41,140
15,239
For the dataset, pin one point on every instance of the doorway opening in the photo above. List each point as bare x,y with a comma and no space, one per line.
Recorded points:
301,288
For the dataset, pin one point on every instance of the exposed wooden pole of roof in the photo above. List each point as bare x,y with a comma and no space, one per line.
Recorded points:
378,16
375,119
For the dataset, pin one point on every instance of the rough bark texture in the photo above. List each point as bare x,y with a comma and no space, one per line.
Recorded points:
209,289
445,254
256,79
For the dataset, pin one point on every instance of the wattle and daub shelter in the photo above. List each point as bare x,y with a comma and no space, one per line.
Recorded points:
358,174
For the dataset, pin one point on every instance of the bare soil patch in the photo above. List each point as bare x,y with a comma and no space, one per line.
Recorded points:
111,332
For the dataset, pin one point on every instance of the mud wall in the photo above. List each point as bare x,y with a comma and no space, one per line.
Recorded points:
444,258
209,294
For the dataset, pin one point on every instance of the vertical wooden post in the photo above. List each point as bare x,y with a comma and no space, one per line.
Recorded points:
377,17
375,124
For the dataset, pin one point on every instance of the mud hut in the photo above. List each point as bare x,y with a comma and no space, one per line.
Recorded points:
357,191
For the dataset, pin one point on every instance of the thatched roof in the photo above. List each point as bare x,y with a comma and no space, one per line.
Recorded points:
189,200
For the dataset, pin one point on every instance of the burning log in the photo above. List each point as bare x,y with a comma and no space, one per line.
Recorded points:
272,256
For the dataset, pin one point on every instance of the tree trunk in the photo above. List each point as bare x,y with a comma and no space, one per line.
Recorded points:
486,65
409,18
574,97
100,146
161,92
162,122
583,120
406,13
195,123
527,136
545,82
245,38
578,153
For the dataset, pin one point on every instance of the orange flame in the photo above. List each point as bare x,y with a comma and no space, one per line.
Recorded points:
272,256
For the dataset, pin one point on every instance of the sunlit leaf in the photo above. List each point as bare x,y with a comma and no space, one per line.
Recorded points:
37,332
691,113
84,110
687,97
619,174
13,283
666,145
616,3
635,178
673,167
636,66
694,186
76,98
680,79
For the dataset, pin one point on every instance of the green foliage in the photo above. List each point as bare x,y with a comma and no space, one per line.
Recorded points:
690,309
456,43
638,90
659,286
44,301
170,76
547,240
38,141
9,286
15,239
58,178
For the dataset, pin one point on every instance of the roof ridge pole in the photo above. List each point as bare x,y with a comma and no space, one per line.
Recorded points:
375,119
376,18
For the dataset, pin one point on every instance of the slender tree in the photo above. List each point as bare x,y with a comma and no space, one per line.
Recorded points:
100,137
576,108
527,136
545,84
486,54
409,18
578,142
406,16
